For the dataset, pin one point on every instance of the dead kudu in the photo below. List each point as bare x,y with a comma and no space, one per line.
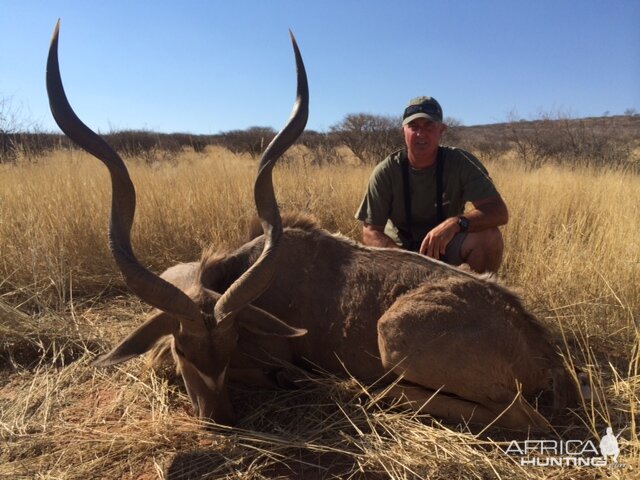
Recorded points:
307,297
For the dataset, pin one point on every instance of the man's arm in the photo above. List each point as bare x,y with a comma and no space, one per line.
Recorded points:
487,213
375,207
374,236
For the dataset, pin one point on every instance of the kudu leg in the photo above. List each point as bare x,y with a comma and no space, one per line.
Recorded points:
519,415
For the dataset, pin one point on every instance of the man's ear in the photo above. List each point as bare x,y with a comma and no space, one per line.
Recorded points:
140,340
261,322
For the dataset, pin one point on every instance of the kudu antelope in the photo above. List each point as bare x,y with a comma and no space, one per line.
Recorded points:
307,297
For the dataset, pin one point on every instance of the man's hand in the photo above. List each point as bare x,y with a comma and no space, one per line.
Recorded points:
435,243
486,213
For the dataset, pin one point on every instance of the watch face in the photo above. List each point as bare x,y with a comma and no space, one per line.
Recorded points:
464,224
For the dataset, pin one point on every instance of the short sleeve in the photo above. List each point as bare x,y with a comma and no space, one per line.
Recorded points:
376,204
475,179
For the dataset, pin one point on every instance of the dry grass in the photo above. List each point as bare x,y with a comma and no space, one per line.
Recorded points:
572,249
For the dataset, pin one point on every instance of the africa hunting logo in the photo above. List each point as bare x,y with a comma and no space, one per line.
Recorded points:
567,453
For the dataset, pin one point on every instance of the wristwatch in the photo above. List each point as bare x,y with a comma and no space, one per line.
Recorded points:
464,224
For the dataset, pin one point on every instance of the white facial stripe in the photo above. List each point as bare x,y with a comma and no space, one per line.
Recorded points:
222,376
210,382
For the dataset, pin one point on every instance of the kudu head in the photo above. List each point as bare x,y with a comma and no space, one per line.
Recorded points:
205,324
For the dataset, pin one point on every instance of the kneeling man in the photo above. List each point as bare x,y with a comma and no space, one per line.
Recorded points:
416,197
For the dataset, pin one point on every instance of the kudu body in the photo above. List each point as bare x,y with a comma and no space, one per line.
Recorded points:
304,296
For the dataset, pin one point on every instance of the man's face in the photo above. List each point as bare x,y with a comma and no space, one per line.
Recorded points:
422,137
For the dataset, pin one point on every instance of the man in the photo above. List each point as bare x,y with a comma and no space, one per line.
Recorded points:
400,208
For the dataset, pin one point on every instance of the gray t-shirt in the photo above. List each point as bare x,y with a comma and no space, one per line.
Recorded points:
465,179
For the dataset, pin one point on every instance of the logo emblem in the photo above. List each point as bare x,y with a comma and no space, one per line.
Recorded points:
609,445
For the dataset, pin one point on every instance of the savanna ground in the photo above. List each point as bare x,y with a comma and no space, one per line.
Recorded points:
572,251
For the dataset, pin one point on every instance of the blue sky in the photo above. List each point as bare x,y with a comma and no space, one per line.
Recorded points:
211,66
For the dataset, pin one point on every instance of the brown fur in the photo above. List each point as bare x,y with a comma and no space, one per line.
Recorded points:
373,311
388,313
299,220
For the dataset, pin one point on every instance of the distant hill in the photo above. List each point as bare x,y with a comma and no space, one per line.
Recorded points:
620,127
611,140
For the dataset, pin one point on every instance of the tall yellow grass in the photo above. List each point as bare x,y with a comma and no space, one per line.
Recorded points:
572,250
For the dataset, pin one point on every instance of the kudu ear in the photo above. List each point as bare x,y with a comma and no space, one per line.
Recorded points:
261,322
140,340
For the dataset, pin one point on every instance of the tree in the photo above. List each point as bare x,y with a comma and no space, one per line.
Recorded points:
321,147
9,126
252,140
17,136
453,135
370,137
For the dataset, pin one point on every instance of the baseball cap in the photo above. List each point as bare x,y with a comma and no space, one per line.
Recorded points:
422,107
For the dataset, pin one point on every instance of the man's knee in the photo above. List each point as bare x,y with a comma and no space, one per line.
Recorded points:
491,240
483,250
